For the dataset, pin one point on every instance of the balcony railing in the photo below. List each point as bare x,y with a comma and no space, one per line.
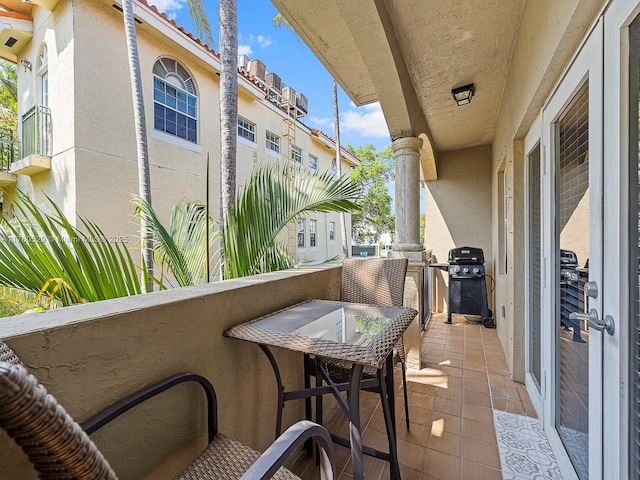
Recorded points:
8,149
36,132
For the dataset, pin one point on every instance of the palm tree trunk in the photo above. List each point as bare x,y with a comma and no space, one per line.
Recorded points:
144,182
228,103
336,123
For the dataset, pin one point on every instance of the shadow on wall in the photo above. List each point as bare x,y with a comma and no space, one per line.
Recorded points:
460,208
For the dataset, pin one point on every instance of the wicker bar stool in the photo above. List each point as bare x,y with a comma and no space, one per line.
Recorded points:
376,281
59,448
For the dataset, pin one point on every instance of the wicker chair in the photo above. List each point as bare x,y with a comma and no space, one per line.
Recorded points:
59,448
372,281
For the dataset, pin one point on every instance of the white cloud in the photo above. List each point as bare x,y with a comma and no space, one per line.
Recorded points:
170,7
244,50
320,122
367,121
264,41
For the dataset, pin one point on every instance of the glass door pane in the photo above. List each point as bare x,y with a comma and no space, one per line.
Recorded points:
572,240
535,266
634,254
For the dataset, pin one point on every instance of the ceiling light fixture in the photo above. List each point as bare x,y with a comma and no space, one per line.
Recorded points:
463,95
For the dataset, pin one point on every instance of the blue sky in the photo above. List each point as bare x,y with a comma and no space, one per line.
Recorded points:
296,65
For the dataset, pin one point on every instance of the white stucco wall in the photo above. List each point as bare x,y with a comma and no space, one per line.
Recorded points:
458,211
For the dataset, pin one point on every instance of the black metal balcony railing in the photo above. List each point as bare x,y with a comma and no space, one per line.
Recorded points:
8,149
36,132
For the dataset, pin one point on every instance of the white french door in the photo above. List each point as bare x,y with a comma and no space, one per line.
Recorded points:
584,341
572,263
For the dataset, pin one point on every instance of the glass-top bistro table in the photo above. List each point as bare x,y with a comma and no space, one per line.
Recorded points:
361,336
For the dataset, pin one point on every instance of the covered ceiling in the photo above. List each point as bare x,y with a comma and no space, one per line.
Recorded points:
409,54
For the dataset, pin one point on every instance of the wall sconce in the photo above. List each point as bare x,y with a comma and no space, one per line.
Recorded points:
26,64
463,95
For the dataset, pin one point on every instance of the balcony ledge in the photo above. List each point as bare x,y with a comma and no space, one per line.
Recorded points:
31,165
7,179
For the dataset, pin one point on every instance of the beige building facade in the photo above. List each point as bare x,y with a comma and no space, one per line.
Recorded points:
73,69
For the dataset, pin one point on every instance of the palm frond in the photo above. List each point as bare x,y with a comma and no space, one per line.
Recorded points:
40,247
182,249
199,19
271,200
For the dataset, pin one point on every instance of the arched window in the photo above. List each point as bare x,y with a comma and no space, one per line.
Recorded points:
175,100
42,71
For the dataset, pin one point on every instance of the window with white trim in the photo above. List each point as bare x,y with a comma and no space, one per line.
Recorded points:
296,154
246,129
332,231
301,233
312,233
273,142
175,100
313,163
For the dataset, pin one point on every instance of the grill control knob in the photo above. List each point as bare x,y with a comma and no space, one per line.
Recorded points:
455,269
465,270
476,270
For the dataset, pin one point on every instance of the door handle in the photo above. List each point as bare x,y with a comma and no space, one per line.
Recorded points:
594,321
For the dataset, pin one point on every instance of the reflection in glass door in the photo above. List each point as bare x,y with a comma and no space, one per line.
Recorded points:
534,267
572,244
634,246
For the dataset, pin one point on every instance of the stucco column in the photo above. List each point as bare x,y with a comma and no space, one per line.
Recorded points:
407,238
407,154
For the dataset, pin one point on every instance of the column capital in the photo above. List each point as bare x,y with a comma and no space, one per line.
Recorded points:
406,145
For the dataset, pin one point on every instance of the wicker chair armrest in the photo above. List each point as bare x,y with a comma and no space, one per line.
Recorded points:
275,456
114,411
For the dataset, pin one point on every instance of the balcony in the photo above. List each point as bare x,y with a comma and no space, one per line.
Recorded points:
90,355
8,154
35,151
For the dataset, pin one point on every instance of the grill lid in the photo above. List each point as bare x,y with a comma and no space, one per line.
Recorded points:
466,256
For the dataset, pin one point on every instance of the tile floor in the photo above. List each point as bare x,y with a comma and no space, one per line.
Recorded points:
464,378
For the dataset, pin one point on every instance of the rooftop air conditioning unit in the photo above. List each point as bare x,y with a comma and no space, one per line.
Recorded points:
274,81
302,102
257,69
289,96
243,63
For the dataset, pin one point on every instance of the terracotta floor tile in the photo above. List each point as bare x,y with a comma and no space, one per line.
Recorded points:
475,385
420,416
478,366
446,442
481,376
451,362
420,399
506,405
442,465
480,452
479,414
477,398
410,454
446,405
416,434
474,471
443,422
479,431
504,391
450,393
529,410
496,379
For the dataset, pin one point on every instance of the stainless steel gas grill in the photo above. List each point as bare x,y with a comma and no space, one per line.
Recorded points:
467,284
